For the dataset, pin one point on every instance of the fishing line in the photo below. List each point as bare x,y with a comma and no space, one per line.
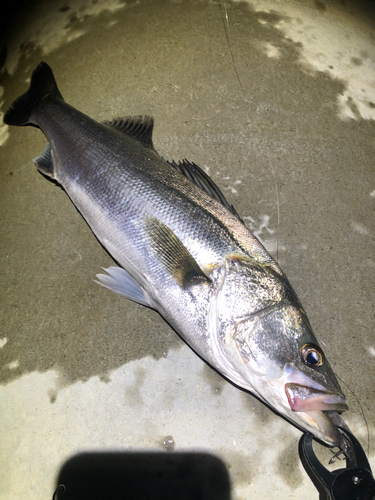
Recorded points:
224,16
363,414
278,207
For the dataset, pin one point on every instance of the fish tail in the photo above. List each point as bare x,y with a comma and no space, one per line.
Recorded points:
42,84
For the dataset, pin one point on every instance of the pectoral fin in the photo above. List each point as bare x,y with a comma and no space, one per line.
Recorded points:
173,255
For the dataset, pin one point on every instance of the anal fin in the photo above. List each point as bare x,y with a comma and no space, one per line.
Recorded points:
44,162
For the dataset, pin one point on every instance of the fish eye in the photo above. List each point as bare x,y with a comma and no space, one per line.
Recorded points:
312,355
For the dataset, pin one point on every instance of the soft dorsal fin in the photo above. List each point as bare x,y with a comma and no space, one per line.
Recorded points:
196,175
173,255
138,127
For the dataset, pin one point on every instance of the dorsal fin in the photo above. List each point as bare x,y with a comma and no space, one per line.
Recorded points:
138,127
198,177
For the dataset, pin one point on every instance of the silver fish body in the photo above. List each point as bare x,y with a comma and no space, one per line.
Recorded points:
184,252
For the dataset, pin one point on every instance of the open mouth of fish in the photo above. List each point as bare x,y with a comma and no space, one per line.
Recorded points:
303,398
319,407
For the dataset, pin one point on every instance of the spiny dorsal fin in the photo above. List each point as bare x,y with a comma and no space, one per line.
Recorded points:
44,162
198,177
174,256
138,127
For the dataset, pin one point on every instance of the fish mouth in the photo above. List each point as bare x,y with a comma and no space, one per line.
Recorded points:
302,398
315,406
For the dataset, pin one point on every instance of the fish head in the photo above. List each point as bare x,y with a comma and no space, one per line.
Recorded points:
296,371
266,336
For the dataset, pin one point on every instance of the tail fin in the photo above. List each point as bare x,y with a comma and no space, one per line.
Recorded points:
42,84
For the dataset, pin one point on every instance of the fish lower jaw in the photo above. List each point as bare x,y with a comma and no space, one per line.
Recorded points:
322,427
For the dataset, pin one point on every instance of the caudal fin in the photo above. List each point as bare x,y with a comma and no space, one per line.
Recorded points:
42,84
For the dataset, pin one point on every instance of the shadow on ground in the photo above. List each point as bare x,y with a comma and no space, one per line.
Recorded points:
112,476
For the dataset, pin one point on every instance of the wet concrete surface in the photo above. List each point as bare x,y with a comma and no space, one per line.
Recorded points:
280,111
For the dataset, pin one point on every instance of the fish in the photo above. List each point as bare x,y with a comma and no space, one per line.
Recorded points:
184,251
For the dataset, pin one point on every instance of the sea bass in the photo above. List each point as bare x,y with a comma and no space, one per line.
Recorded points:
185,252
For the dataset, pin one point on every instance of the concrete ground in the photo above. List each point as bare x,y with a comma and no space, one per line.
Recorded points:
278,106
